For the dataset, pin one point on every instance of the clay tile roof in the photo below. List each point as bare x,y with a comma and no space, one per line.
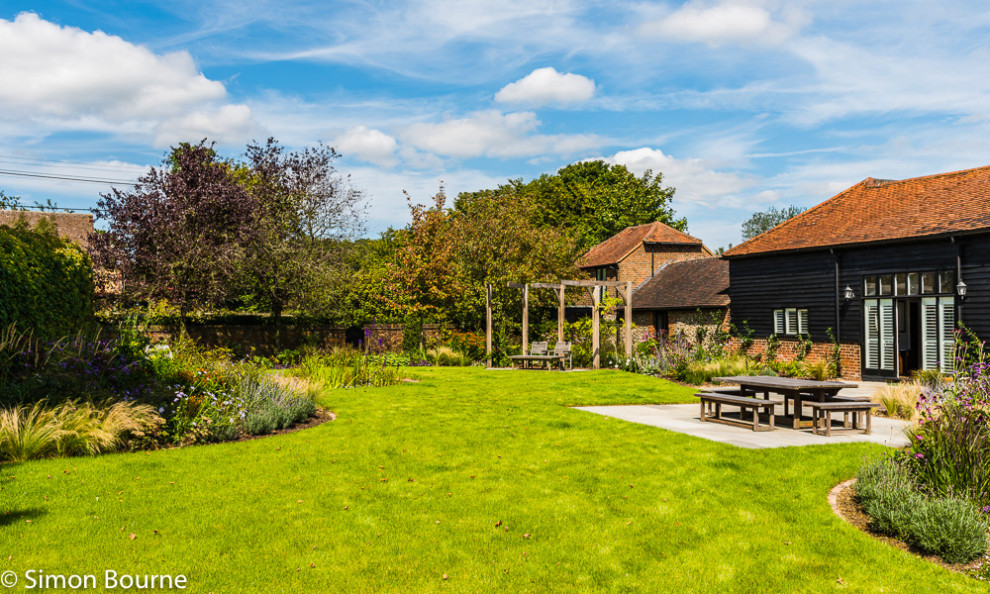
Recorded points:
883,210
614,249
686,284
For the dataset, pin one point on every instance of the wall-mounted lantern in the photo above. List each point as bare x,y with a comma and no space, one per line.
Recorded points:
848,293
961,289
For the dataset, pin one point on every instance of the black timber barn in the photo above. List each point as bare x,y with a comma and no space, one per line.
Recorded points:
890,266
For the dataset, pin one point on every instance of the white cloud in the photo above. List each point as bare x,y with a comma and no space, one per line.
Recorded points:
231,124
64,77
733,21
367,144
546,85
696,181
494,134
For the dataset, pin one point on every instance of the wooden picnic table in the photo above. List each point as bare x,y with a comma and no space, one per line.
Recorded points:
789,387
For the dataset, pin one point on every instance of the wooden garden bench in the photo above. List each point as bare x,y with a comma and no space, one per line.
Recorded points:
537,353
744,403
822,411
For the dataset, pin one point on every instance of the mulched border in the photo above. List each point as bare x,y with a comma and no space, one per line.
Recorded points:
842,498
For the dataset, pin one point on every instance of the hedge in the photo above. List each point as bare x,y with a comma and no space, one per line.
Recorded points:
46,282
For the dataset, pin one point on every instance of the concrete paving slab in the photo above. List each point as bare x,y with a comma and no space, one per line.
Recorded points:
685,418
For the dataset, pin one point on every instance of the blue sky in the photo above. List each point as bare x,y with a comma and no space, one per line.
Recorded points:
741,104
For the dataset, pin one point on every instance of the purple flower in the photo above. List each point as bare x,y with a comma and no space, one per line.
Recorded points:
919,456
918,437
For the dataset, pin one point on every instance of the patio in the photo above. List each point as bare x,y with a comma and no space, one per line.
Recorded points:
683,418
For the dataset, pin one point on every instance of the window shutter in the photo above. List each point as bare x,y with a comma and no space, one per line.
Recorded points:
887,334
947,315
790,321
929,333
778,321
872,322
802,321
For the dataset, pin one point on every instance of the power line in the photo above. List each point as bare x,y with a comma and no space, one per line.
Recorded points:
70,164
91,180
45,207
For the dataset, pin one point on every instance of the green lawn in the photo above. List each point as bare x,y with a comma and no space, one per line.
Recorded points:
481,475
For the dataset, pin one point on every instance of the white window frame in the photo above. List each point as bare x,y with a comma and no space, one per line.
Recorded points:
790,321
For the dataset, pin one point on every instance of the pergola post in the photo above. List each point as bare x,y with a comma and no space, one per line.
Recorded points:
560,314
628,299
596,328
488,323
525,320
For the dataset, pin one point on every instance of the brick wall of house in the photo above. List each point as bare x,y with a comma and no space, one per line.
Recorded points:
686,321
820,351
640,264
73,226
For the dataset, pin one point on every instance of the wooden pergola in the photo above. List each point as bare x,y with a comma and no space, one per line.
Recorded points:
594,287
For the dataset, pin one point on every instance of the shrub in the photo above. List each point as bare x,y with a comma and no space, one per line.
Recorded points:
46,282
348,368
950,527
885,490
701,372
819,371
899,400
27,432
950,448
446,356
40,430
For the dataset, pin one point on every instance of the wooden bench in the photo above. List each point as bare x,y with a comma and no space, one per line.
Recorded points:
757,404
822,411
561,355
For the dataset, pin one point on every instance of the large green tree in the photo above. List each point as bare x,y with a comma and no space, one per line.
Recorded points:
444,258
763,221
591,199
307,212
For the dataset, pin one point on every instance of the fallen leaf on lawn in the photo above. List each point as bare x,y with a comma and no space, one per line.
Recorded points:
312,564
444,576
412,480
346,507
298,500
631,487
499,523
384,480
628,523
525,536
841,581
278,448
132,536
49,476
28,521
438,521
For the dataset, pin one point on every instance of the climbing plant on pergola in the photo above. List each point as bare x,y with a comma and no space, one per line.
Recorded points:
594,287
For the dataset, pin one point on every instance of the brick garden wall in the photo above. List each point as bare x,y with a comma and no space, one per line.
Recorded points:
787,351
242,338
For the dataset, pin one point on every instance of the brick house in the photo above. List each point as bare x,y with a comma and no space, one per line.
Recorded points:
888,266
75,227
636,253
667,292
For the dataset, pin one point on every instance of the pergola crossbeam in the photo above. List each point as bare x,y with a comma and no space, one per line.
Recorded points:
595,287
